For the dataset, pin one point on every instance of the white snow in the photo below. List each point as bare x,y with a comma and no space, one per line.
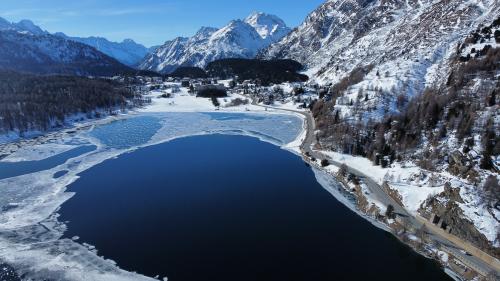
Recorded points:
404,179
474,209
186,102
443,256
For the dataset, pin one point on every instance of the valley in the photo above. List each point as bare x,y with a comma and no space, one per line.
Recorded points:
391,105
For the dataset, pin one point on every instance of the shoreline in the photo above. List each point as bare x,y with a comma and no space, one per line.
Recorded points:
307,153
298,146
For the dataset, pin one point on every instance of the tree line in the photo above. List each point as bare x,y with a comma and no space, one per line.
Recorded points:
432,117
31,102
265,71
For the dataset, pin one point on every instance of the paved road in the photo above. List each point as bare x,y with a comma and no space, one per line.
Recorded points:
376,190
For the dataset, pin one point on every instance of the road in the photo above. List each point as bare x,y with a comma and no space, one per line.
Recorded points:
377,191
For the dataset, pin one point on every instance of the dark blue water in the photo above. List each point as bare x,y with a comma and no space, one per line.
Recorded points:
8,170
229,208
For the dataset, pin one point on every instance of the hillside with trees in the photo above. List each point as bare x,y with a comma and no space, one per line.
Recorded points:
265,71
451,128
189,72
29,102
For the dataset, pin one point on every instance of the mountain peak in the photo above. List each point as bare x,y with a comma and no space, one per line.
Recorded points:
259,16
129,41
22,26
267,25
205,32
27,25
206,29
237,39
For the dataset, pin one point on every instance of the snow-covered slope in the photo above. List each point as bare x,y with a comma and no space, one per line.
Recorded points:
238,39
406,39
127,52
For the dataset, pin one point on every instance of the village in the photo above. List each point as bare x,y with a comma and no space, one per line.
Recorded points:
230,92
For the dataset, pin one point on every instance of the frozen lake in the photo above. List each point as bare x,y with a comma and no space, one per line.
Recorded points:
229,206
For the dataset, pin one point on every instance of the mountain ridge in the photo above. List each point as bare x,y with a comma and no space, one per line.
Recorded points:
238,39
127,51
27,48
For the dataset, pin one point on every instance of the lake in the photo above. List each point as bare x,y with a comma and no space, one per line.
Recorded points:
228,207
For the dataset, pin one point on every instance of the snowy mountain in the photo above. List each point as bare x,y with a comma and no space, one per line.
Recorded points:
26,48
127,52
238,39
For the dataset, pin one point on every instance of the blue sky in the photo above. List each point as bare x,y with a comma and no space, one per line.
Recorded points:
150,22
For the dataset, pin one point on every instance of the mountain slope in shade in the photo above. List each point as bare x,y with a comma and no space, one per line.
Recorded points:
238,39
48,54
21,26
127,52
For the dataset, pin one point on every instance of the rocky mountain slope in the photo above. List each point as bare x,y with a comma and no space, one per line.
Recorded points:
406,41
127,52
25,47
238,39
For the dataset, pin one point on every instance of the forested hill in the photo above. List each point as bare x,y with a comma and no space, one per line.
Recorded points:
29,102
267,71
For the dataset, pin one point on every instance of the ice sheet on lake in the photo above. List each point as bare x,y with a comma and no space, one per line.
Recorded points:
29,230
127,133
37,152
274,128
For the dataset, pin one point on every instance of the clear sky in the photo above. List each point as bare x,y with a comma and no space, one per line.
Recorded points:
150,22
